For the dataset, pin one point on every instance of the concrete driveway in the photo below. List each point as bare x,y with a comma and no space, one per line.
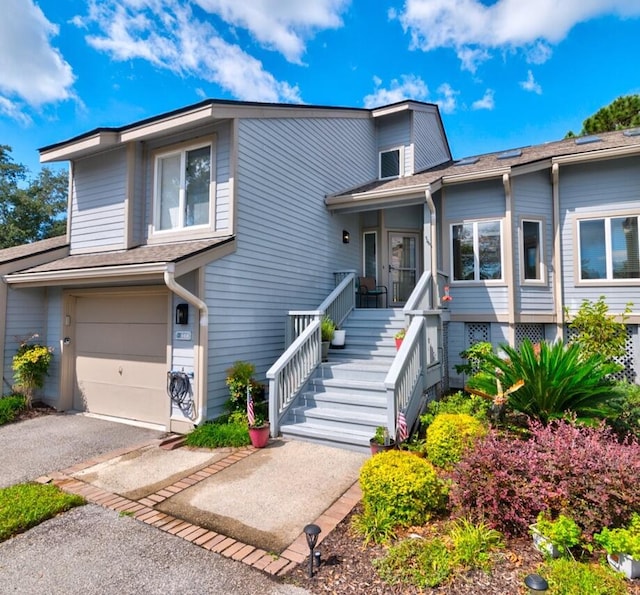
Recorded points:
96,550
168,521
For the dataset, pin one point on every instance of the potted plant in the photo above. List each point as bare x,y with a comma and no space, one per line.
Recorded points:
554,538
381,441
399,337
259,432
327,328
339,338
623,547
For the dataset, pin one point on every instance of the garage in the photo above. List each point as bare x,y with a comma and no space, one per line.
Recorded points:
120,353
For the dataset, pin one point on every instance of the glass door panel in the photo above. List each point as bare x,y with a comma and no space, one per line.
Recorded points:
403,266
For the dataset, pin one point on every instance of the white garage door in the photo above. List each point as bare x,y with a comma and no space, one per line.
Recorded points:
121,356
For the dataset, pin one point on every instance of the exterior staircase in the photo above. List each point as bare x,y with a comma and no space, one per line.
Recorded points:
345,400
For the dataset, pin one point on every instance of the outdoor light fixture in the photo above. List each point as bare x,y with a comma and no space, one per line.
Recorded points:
536,583
182,314
346,237
311,532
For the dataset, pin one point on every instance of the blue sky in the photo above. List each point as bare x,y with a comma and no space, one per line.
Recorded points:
505,73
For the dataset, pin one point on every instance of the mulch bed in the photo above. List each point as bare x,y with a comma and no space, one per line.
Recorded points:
37,410
346,568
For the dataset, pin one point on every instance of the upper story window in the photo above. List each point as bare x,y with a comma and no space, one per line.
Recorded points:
183,188
609,248
531,250
476,249
391,163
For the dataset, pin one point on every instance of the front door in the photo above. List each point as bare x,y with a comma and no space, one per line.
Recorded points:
403,266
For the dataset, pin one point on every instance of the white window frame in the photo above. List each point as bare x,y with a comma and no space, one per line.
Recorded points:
609,278
476,253
400,150
522,249
181,229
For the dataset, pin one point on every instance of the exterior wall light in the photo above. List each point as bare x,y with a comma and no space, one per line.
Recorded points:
346,237
536,584
182,314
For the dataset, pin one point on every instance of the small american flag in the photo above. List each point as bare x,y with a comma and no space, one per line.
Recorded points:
402,431
251,414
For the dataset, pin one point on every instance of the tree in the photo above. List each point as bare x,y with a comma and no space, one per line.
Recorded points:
624,112
30,208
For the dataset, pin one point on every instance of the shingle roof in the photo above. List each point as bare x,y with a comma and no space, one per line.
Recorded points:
147,254
492,161
17,252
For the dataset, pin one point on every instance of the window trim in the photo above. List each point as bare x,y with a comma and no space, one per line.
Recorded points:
609,279
543,281
476,272
400,150
192,231
377,248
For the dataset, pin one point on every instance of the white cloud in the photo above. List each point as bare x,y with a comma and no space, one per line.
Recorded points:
409,86
32,69
14,111
283,25
448,103
167,34
530,84
487,102
472,28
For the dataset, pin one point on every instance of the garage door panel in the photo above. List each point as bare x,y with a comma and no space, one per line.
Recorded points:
121,356
123,339
127,309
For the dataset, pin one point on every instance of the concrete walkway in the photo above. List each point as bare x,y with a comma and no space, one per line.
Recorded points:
247,505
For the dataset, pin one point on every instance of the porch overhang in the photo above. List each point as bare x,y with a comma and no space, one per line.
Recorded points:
379,198
145,264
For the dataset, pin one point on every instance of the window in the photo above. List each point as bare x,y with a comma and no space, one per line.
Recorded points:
391,164
182,193
477,251
369,254
531,248
609,248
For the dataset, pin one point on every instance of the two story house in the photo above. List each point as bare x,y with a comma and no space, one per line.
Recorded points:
226,230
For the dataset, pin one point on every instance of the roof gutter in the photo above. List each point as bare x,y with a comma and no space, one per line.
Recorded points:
201,343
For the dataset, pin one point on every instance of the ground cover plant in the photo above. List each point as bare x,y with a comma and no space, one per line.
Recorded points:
23,506
10,408
229,431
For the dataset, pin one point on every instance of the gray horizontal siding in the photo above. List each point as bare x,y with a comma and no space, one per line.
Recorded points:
98,195
602,188
288,245
430,145
26,315
532,199
395,131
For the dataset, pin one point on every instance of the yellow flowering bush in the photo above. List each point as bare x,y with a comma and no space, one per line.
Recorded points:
30,365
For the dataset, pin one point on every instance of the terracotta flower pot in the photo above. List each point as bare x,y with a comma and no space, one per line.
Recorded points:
376,447
259,436
399,343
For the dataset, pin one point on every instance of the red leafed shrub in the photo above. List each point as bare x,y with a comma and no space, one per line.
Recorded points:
585,473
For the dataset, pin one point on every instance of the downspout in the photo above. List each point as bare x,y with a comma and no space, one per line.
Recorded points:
203,339
557,259
508,232
435,300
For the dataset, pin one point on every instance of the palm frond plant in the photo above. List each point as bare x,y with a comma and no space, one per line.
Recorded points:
557,379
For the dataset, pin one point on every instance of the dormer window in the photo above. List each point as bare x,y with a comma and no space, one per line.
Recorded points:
391,163
183,188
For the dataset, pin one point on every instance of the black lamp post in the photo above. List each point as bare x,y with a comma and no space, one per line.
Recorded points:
311,533
536,583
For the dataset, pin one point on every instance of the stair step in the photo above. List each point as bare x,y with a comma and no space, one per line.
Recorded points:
350,439
338,418
351,387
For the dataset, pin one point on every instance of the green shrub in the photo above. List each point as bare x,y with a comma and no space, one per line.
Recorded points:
403,484
10,407
375,524
327,328
459,402
568,577
220,433
26,505
240,379
557,379
626,419
450,435
475,355
419,562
